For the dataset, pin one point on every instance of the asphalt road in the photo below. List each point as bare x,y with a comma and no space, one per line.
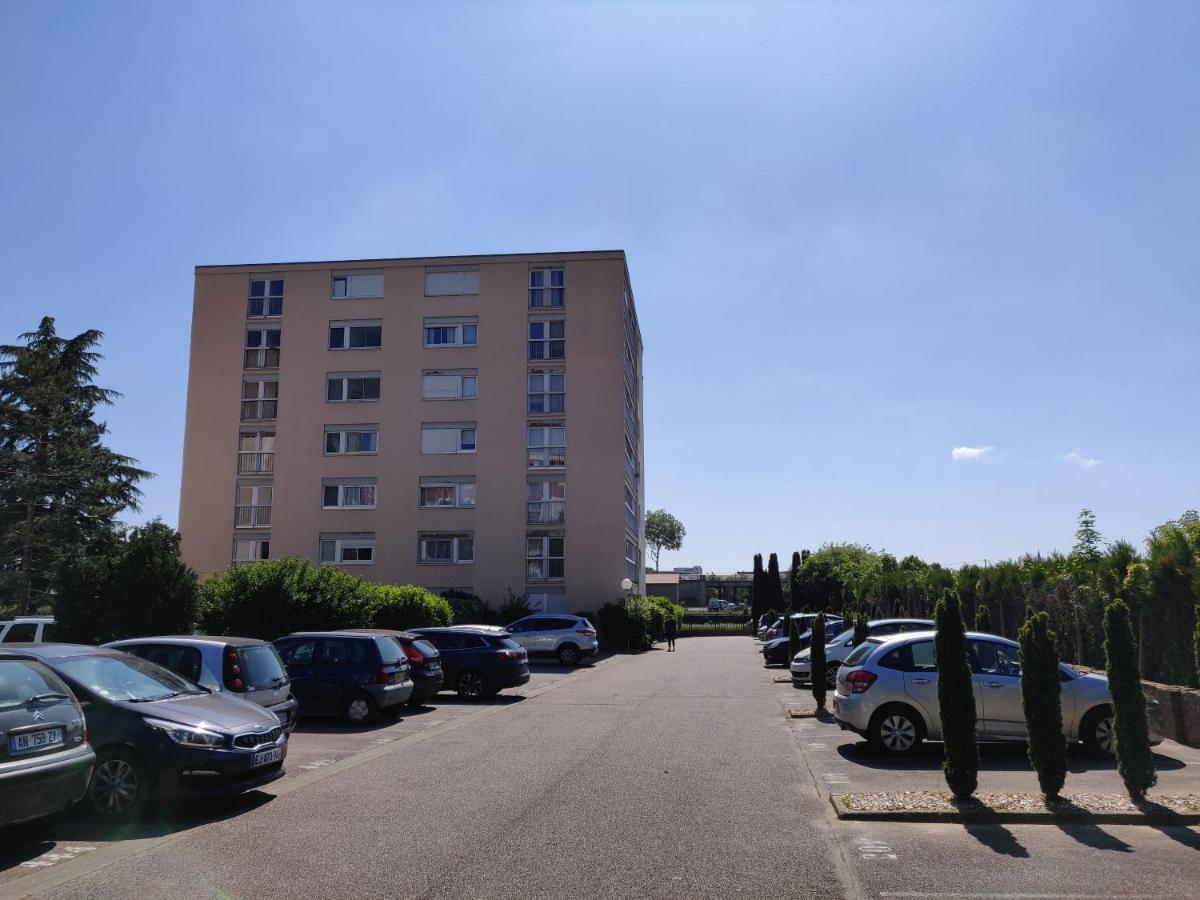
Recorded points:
660,775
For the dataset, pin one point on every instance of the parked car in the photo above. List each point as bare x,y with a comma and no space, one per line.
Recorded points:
715,603
27,629
478,661
780,627
839,646
246,667
424,660
157,734
776,650
45,759
338,673
887,692
763,626
569,639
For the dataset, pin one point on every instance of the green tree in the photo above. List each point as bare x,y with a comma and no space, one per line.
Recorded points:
817,656
1088,553
1196,642
1137,589
1040,690
758,591
133,584
861,628
663,532
60,487
983,619
795,591
956,698
1135,761
774,586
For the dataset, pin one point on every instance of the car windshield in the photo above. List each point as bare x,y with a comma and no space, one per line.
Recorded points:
125,678
860,653
508,644
390,651
21,681
425,648
843,637
261,665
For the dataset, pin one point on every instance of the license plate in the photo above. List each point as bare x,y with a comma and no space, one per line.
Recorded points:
266,757
283,717
34,740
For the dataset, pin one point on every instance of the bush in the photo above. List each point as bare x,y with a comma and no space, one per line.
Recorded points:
861,629
956,698
467,609
1040,696
614,627
1135,761
983,619
513,607
816,652
401,607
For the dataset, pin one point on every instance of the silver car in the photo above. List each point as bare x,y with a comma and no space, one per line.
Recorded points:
839,647
569,639
887,692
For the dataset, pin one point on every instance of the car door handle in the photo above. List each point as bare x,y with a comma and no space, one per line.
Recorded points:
920,681
994,684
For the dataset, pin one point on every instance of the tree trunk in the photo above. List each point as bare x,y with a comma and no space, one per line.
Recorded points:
23,601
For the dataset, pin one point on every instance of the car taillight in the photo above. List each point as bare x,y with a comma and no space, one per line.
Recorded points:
233,670
414,655
586,632
772,632
511,654
860,680
383,676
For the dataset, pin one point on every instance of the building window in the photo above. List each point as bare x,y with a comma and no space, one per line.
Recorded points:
451,332
632,567
547,445
447,493
546,502
357,286
266,298
260,399
348,440
251,548
353,549
445,549
547,288
352,387
547,339
449,281
353,493
355,335
262,348
449,384
631,518
544,556
256,453
547,391
253,507
446,437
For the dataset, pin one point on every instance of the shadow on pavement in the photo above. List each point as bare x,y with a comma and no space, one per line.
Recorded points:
998,838
335,725
992,757
495,700
1092,835
1189,837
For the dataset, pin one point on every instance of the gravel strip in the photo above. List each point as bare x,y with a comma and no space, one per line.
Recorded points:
1070,804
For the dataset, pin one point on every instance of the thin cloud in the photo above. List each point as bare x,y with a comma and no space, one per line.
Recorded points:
970,452
1085,462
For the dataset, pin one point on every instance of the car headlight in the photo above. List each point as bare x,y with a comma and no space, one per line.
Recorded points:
188,737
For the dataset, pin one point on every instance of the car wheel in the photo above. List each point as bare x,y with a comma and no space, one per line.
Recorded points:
896,730
415,702
568,655
1096,732
120,785
471,685
357,709
831,670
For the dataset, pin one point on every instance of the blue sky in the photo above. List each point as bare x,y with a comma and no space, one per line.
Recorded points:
860,235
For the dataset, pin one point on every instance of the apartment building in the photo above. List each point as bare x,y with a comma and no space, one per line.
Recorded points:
468,422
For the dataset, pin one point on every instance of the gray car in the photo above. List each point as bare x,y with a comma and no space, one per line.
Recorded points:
887,692
245,667
839,647
569,639
45,760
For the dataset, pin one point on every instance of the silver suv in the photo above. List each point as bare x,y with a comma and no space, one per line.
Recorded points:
887,691
568,638
27,629
838,648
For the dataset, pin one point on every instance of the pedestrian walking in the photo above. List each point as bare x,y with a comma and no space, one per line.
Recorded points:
670,629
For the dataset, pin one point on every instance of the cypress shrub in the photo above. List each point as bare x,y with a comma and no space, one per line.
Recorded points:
983,619
794,590
816,651
1131,732
758,593
793,639
860,629
1196,643
1040,690
956,698
774,586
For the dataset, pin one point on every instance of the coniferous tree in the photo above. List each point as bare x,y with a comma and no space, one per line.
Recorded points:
983,619
60,487
816,650
861,629
1131,733
795,590
758,599
1196,642
774,585
1040,697
956,698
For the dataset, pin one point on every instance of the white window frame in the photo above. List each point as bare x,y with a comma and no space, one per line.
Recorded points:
343,432
347,282
346,327
345,378
450,426
456,486
545,449
546,343
455,538
466,283
545,393
258,513
260,399
546,509
365,541
256,543
457,326
262,355
466,377
541,293
345,489
268,295
260,458
543,556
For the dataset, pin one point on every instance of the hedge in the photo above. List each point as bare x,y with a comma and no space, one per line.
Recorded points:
635,624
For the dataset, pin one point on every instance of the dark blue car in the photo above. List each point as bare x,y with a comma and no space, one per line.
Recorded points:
478,660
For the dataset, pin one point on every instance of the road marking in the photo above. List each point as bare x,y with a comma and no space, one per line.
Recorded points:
319,763
382,740
918,895
836,778
869,848
59,855
815,746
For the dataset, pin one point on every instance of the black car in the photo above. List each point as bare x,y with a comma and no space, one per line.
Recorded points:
158,734
776,650
423,658
478,660
339,673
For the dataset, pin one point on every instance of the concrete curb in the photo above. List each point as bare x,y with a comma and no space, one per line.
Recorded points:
1002,817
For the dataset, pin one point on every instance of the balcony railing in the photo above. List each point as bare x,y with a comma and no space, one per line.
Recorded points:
545,511
630,469
262,358
255,462
252,516
259,409
547,457
630,521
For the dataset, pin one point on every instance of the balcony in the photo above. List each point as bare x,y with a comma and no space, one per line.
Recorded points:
255,462
259,409
631,522
252,516
262,358
546,512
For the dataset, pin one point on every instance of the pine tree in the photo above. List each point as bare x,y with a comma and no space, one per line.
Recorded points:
1135,761
1040,696
758,599
861,629
774,585
795,591
956,698
60,487
816,651
983,619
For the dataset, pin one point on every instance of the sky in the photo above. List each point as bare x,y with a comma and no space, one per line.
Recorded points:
918,275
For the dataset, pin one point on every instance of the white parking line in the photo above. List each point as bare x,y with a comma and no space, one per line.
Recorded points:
869,848
59,855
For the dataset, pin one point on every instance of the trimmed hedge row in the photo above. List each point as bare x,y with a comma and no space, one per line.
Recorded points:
633,625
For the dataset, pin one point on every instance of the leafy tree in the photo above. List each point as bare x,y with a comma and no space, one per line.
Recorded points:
1135,761
60,487
1174,561
956,699
663,532
1196,641
1040,690
133,584
816,651
983,619
861,629
1136,590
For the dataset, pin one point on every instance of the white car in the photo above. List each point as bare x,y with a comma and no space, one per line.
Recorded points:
839,647
569,639
27,629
